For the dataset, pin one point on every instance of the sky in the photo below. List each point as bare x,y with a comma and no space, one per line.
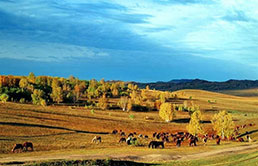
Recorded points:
136,40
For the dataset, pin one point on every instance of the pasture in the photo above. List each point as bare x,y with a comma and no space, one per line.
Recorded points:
63,132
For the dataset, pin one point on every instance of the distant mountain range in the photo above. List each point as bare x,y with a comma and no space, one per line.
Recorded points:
201,84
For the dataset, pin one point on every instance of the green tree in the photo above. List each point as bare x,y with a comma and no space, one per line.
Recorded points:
167,112
223,124
194,127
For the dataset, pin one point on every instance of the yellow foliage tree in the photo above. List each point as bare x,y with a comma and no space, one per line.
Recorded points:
167,112
103,102
194,127
223,124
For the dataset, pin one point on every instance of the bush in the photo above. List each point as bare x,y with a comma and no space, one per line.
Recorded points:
22,100
4,97
92,111
131,116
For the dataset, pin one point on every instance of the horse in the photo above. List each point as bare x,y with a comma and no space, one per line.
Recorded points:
178,141
155,144
114,132
218,140
96,139
241,139
17,147
130,135
27,145
193,141
122,140
122,134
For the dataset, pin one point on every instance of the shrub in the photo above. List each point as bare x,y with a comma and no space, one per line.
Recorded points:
131,116
22,100
4,97
92,111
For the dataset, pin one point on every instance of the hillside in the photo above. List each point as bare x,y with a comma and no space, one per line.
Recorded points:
201,84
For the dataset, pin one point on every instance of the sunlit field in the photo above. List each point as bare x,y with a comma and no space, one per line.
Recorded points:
65,132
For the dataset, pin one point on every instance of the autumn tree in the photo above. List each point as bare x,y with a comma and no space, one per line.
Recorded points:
123,102
37,96
4,97
32,77
23,83
223,124
115,89
167,112
57,92
194,127
103,102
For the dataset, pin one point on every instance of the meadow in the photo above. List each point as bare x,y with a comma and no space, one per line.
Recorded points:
65,133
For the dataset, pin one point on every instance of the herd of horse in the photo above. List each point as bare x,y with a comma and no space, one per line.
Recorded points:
22,147
158,139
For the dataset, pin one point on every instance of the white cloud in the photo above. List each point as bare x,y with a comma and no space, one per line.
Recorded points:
48,52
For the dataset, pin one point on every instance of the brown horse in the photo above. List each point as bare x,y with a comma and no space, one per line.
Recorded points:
27,145
17,147
122,140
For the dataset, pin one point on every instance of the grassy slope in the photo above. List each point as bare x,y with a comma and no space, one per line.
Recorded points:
61,130
243,93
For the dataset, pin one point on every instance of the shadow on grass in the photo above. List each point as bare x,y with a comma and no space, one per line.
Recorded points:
187,120
93,162
247,133
49,127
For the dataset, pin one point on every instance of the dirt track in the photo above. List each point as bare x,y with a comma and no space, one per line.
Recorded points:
155,157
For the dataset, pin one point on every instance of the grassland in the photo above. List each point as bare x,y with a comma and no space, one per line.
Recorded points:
62,132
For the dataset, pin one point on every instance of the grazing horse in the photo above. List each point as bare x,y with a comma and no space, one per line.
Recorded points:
130,135
96,139
122,140
178,141
114,132
17,147
218,140
193,141
155,144
28,145
241,139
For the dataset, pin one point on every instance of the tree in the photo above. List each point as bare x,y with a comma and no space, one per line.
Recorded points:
123,102
4,98
223,124
37,96
114,89
23,83
103,102
32,77
194,127
57,94
167,112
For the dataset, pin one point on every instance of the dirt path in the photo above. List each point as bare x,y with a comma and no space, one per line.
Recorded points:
155,157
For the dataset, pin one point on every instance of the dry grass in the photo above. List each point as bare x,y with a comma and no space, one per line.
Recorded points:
63,129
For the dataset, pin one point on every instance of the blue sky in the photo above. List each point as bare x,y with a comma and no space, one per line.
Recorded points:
139,40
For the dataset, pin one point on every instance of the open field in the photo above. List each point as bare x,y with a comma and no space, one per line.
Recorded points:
244,92
61,132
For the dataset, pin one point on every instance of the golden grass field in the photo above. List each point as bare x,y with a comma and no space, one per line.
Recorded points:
62,132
